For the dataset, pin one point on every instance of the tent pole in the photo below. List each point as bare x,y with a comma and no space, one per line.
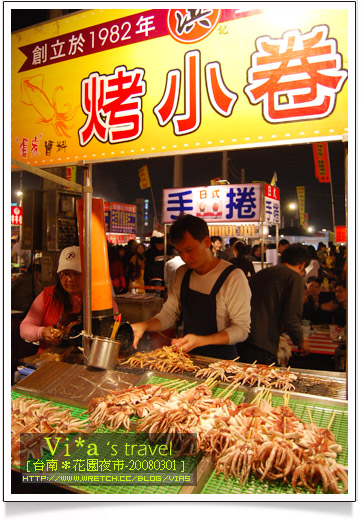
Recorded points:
87,237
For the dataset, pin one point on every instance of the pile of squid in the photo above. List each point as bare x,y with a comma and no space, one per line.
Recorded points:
165,359
250,375
271,443
33,418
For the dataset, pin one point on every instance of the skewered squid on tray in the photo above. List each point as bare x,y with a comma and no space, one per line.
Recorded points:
250,375
271,443
165,359
32,416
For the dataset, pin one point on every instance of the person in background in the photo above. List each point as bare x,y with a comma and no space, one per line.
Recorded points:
14,254
240,260
171,267
19,255
341,259
314,289
276,305
216,246
313,268
228,252
339,314
59,307
255,255
316,311
211,295
130,251
116,269
25,288
283,244
155,262
336,310
311,306
322,254
136,270
331,257
149,254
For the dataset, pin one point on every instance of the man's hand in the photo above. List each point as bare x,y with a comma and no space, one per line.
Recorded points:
188,342
152,325
52,335
191,341
138,330
305,348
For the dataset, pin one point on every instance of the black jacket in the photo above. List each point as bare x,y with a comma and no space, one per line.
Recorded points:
244,264
276,305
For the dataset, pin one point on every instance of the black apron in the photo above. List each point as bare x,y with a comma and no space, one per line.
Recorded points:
199,315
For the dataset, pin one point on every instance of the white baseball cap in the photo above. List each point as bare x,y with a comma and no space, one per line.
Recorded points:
70,259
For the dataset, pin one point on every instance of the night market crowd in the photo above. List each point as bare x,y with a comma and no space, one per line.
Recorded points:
230,307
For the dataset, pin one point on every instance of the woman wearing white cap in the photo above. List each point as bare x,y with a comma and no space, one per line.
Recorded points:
59,307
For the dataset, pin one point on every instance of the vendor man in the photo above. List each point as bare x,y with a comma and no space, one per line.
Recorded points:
210,295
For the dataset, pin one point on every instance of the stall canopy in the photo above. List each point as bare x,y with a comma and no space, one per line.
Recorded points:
112,84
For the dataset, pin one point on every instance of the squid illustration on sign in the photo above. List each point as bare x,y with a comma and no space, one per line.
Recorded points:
32,93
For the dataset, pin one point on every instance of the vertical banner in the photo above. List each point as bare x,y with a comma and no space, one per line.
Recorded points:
107,216
71,174
301,203
144,177
274,180
306,218
321,162
341,234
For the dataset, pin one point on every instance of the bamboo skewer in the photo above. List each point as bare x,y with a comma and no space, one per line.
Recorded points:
332,419
171,383
213,384
258,397
211,379
230,389
310,414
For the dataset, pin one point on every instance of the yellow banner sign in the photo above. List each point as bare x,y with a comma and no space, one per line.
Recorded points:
144,177
301,203
116,84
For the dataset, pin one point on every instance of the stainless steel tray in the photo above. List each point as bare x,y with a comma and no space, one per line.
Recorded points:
326,384
249,393
314,400
316,382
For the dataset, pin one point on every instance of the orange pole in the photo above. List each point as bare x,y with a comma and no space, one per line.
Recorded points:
100,278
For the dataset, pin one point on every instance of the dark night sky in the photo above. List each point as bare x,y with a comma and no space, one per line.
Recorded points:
294,165
119,181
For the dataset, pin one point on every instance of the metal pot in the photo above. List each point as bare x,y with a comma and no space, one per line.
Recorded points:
103,353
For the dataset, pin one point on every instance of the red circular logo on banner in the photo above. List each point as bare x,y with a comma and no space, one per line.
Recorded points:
192,25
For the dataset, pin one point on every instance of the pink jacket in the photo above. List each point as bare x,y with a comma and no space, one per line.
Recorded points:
45,312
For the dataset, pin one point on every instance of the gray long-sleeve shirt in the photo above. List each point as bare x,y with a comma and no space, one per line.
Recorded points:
232,300
276,302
